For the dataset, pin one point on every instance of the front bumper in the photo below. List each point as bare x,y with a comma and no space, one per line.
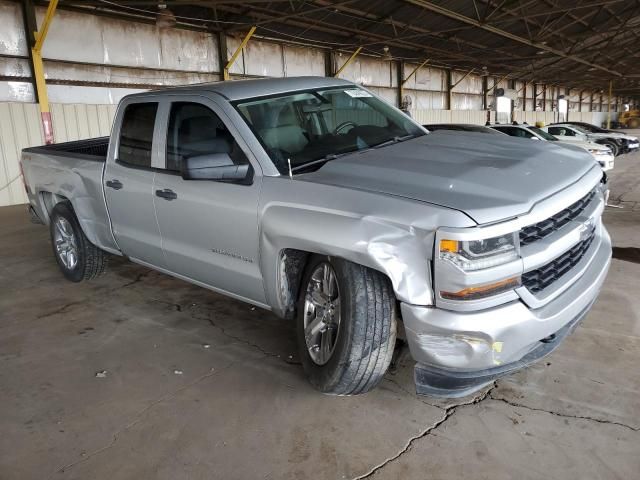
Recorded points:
606,162
460,352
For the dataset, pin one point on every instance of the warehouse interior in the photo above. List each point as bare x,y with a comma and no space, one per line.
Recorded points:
140,375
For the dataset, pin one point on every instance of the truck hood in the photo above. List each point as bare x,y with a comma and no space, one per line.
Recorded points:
488,178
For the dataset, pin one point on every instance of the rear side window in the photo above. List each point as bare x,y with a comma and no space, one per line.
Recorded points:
136,134
194,130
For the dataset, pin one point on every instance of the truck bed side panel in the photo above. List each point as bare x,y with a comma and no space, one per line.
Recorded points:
75,177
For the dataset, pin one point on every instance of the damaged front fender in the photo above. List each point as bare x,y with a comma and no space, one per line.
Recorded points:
389,234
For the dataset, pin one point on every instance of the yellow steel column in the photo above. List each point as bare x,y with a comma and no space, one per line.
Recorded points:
609,108
349,60
233,58
41,84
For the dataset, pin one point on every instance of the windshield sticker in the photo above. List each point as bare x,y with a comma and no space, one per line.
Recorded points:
357,93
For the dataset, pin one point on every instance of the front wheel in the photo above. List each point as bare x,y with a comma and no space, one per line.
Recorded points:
346,325
613,146
77,257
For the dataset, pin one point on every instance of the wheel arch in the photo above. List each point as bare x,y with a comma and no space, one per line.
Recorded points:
289,237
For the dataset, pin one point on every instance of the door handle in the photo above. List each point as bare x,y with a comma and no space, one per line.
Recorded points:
166,194
115,184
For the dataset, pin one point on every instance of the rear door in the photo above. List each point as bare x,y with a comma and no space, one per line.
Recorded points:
128,182
209,228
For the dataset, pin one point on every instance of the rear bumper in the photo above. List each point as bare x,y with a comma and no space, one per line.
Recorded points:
460,352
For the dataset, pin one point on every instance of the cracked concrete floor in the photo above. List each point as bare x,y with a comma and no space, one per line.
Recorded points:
200,386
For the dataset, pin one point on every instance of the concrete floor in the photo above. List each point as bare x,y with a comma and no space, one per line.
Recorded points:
199,386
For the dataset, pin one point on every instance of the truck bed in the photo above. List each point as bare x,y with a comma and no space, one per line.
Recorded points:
73,171
90,149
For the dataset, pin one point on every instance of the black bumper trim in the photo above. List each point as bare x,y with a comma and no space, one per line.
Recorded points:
438,382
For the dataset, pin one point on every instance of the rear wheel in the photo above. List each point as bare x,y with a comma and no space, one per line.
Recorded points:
346,325
78,258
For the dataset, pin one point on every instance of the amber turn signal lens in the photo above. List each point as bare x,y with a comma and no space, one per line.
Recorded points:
474,293
448,246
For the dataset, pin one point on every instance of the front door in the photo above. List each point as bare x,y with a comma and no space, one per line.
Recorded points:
209,229
129,182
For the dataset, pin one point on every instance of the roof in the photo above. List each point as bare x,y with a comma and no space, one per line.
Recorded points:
258,87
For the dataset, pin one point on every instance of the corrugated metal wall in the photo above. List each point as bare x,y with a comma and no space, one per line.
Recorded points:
20,127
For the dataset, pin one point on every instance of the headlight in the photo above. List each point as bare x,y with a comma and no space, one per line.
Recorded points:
471,255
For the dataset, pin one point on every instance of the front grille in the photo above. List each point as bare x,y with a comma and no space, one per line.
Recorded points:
539,230
541,278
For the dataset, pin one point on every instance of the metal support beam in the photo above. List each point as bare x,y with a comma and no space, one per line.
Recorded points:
234,57
414,71
609,102
400,79
485,103
497,31
580,100
449,96
349,60
222,50
30,27
38,71
463,77
328,63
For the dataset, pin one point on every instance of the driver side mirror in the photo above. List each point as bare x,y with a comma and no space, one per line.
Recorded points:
535,138
215,166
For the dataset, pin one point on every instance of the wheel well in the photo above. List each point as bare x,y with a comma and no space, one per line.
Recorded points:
290,268
291,265
48,201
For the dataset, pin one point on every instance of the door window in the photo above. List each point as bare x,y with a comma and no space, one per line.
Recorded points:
559,131
136,134
194,130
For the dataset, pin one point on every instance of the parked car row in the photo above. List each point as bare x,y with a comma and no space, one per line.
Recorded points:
604,145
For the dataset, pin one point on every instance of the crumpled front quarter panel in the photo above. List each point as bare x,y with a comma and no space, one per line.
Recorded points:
383,232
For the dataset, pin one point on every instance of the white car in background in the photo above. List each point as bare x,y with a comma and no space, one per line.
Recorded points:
575,133
601,153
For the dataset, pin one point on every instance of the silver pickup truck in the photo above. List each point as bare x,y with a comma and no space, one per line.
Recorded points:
314,199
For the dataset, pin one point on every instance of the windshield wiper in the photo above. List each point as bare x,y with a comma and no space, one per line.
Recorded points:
326,158
396,139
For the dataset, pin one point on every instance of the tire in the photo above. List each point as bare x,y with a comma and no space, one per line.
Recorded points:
77,258
612,145
364,340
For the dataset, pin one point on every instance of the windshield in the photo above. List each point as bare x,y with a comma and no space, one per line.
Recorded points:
589,128
579,129
546,135
321,124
